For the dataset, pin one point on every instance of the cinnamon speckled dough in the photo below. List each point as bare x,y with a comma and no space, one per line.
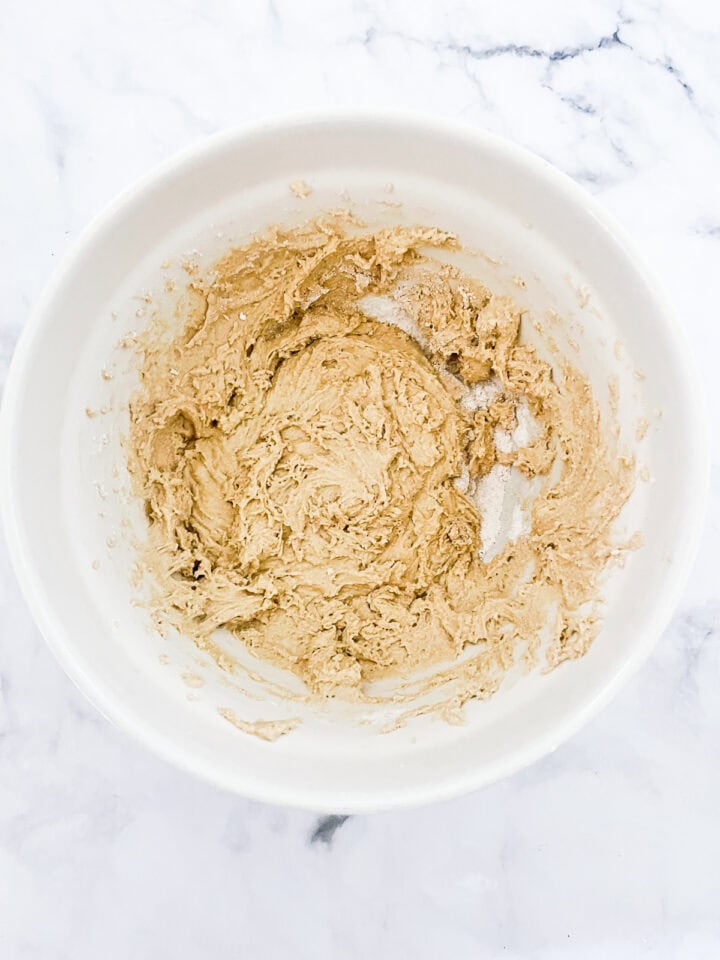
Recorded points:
299,462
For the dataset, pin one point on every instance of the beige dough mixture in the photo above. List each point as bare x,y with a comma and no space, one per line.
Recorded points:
311,473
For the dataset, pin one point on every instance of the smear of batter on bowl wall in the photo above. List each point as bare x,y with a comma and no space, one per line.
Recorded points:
318,448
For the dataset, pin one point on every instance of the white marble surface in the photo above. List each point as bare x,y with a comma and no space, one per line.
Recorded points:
609,848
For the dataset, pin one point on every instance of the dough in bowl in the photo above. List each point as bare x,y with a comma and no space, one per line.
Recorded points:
313,446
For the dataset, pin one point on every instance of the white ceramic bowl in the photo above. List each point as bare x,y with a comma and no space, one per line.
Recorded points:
60,468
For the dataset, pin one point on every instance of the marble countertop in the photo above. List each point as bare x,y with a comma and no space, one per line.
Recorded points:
608,848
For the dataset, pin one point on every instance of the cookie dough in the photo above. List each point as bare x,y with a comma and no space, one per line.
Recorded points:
311,473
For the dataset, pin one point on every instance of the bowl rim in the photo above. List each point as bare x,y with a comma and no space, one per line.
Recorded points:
112,707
